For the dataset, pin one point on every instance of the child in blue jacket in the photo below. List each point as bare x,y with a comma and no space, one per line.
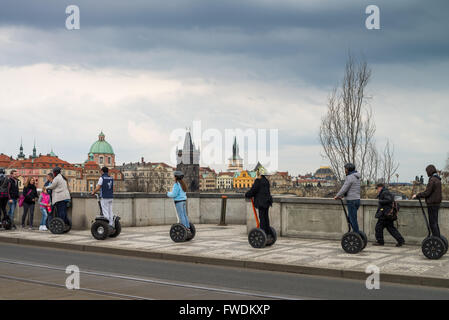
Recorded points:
178,194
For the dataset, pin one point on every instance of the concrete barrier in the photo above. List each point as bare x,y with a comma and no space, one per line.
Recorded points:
290,216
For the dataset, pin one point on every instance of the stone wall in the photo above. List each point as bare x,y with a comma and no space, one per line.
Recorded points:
290,216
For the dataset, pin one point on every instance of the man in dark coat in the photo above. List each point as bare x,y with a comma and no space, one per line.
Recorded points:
386,200
433,195
260,191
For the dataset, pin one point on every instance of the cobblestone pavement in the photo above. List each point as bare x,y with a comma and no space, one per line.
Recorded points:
230,243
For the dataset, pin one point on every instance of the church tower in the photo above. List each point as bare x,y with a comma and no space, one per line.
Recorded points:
235,163
188,161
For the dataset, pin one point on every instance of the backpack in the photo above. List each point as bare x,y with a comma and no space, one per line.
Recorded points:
3,185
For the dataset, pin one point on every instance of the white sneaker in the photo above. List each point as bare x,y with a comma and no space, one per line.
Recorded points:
40,228
44,228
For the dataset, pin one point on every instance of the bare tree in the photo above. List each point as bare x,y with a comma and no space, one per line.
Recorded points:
347,130
389,165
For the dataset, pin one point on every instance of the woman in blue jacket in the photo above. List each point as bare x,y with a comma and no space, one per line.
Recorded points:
178,194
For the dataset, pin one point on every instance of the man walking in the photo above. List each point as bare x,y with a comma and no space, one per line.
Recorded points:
106,187
385,219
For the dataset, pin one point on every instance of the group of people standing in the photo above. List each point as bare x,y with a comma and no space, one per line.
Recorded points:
55,195
385,213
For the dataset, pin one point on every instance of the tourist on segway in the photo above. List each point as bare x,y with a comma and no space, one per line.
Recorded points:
386,216
183,230
60,196
106,187
433,196
263,200
351,192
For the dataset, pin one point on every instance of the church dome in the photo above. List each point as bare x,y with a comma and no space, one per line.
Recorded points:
101,146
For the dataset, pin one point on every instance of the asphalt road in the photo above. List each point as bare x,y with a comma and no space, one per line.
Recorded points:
28,272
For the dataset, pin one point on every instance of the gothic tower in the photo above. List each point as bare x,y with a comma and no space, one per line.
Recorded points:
188,161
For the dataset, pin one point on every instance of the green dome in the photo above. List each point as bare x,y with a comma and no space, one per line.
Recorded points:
101,146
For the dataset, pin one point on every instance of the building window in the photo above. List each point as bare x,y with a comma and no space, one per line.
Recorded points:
109,160
101,160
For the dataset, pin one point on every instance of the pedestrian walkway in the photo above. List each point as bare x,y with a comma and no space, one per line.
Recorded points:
228,245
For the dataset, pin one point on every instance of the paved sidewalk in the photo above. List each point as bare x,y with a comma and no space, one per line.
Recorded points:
229,246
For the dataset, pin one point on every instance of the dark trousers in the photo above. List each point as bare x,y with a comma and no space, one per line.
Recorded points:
433,220
389,224
3,203
28,207
61,208
265,220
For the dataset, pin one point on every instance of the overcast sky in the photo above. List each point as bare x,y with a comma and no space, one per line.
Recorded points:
140,69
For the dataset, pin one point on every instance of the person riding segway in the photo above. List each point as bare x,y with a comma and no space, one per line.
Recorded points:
434,246
106,224
183,230
263,235
59,223
354,240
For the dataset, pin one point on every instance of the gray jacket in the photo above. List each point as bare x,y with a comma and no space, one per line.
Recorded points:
60,189
351,188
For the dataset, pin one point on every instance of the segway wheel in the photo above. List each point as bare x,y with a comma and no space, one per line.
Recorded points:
56,226
47,223
117,228
257,238
271,239
352,242
192,231
68,227
6,223
445,243
178,233
364,238
433,248
100,230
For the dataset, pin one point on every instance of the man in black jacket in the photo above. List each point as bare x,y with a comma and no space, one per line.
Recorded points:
260,191
13,194
385,206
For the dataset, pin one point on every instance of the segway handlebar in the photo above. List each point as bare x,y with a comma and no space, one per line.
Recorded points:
425,217
255,213
346,214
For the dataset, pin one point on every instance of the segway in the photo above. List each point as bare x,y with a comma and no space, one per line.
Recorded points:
56,225
101,229
257,237
432,247
179,233
352,242
7,223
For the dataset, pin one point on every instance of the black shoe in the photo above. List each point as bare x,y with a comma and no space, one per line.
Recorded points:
400,244
378,244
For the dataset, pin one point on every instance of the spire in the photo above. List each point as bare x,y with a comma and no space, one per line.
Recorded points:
21,155
34,150
101,136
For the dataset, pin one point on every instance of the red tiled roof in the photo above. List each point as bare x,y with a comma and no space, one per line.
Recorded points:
40,162
4,160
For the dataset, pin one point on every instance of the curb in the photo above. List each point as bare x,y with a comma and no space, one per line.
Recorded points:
263,266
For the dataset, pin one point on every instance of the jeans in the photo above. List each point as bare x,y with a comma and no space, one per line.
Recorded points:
182,213
353,206
44,216
28,207
433,220
12,208
61,208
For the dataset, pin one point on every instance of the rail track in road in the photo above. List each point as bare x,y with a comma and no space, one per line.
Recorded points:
123,281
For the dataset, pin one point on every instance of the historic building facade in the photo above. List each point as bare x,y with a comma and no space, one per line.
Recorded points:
243,179
225,180
208,179
101,152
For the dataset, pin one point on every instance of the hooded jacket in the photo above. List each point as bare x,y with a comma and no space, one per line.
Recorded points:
433,192
351,188
386,199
